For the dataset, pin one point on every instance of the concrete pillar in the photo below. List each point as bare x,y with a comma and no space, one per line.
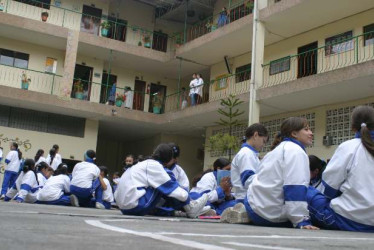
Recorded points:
69,65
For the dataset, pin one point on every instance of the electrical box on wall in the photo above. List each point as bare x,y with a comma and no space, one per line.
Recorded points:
327,140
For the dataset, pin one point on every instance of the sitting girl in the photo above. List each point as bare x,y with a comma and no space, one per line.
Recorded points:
142,187
219,194
277,195
56,188
347,201
104,193
317,166
43,173
26,186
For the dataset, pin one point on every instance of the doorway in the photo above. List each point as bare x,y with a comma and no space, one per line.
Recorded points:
106,86
82,82
91,19
157,97
307,60
118,30
139,92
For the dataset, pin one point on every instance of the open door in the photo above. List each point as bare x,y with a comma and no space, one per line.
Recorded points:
91,19
307,60
157,98
106,85
82,82
139,92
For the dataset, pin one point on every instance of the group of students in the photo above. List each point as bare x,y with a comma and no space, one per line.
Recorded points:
287,188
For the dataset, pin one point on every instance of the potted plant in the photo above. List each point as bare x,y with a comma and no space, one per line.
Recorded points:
45,16
120,99
250,4
25,81
147,41
105,26
78,89
139,43
156,103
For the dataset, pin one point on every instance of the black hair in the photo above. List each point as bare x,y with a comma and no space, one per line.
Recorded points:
38,155
140,158
288,126
61,169
163,153
91,154
198,177
117,173
52,154
363,122
317,163
104,169
176,149
256,127
220,163
56,147
41,165
29,164
15,145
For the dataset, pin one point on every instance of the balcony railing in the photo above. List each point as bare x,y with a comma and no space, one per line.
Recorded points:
71,19
333,56
214,22
216,89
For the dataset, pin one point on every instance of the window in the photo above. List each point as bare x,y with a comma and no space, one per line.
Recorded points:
243,73
45,4
239,12
339,43
280,65
14,59
369,34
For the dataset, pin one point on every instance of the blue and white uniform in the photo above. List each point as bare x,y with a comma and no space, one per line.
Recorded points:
11,170
142,186
180,176
41,179
216,196
105,197
41,159
84,182
348,184
243,168
25,189
55,191
278,192
57,160
1,154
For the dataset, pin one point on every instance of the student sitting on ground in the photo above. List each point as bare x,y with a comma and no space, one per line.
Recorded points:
43,173
26,187
85,180
219,194
177,170
142,187
317,166
277,195
347,202
246,162
104,193
56,189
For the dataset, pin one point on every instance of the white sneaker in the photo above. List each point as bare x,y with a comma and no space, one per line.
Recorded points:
74,200
98,205
208,212
2,197
235,215
196,207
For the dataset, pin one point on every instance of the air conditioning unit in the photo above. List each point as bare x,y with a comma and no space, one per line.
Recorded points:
327,140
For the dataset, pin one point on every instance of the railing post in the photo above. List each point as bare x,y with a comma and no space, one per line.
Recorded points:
53,83
356,49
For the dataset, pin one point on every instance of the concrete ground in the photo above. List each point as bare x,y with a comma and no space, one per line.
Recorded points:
29,226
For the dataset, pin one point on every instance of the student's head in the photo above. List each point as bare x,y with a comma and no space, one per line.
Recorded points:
61,169
183,89
363,125
198,75
56,147
163,153
317,166
28,165
103,171
90,156
194,75
116,175
45,169
13,146
257,136
221,164
129,160
38,154
296,128
176,150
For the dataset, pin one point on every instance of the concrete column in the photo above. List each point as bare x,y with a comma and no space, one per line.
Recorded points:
69,65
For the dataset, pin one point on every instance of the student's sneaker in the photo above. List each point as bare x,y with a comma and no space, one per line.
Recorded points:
74,200
235,215
2,197
180,214
209,212
98,205
196,207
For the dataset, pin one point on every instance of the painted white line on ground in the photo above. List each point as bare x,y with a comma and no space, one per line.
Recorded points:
260,246
265,236
186,243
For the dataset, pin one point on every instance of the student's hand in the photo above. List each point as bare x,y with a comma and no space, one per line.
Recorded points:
226,185
309,227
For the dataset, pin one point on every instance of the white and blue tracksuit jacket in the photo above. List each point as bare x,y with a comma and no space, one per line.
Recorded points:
180,176
25,188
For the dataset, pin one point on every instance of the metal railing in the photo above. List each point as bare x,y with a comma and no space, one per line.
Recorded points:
214,22
216,89
100,26
329,57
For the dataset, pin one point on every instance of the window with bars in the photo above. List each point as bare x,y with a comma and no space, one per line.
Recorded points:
41,121
280,65
14,58
369,34
45,4
339,43
338,124
243,73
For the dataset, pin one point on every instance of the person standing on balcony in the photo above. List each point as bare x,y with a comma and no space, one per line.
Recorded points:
223,17
199,89
193,85
112,95
129,94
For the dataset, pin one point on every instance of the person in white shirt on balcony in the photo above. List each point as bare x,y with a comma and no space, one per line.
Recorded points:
199,89
192,86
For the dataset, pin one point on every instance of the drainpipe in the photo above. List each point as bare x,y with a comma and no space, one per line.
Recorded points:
252,87
185,24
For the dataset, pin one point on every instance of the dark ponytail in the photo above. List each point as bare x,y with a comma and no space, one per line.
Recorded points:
288,126
15,146
163,153
38,155
363,122
61,169
28,165
52,154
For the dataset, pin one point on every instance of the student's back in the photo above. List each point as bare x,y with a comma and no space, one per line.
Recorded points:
54,188
83,174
